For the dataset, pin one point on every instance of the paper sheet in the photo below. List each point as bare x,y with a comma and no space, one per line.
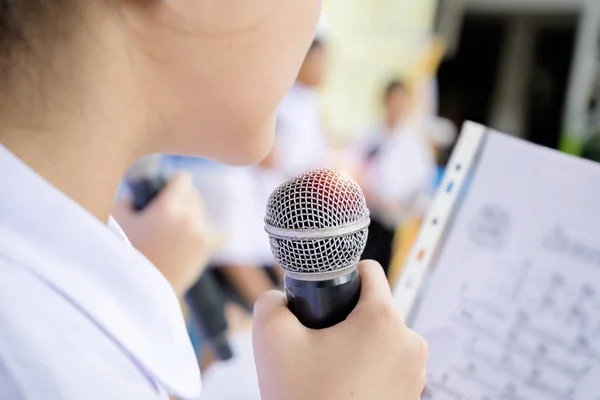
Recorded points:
512,310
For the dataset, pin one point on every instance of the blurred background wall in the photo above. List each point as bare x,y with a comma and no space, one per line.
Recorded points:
528,67
369,43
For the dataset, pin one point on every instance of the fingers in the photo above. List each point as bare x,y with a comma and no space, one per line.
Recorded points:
419,351
424,392
374,283
421,388
272,316
270,305
179,186
423,381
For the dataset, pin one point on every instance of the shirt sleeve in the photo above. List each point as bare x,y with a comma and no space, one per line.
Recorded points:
8,388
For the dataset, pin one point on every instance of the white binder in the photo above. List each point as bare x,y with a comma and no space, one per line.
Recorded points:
504,278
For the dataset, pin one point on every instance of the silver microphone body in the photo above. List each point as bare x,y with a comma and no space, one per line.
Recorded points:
318,227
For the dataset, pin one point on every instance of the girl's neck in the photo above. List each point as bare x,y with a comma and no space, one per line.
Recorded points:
82,145
80,164
82,125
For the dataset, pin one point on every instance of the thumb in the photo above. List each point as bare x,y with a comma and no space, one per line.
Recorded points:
270,305
374,284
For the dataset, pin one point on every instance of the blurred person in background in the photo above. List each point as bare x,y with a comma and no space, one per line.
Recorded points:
235,199
397,171
89,87
244,261
440,133
301,139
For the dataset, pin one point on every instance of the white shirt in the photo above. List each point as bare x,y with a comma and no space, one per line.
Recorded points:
402,171
236,200
82,314
244,193
300,139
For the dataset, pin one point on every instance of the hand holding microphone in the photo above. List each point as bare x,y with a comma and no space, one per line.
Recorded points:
318,224
172,231
370,355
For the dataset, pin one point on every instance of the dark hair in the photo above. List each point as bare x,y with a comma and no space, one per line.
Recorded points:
393,86
29,28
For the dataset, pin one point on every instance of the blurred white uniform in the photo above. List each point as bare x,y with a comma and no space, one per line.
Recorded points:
236,200
82,314
244,194
300,138
401,170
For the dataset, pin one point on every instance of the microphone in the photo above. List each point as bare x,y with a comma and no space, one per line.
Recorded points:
318,226
145,181
205,299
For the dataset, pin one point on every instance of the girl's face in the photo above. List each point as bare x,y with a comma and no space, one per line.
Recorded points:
214,71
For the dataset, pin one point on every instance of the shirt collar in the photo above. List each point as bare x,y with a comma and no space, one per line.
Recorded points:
83,260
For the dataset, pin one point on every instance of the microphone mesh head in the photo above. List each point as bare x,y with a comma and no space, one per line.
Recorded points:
317,200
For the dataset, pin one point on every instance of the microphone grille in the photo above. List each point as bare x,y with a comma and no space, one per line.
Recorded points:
314,202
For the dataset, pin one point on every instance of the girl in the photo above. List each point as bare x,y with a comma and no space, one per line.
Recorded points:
88,87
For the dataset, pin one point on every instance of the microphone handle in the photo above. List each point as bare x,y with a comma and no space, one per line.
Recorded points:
145,190
323,304
205,299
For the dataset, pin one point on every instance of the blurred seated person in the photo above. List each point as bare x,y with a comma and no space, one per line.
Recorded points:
245,261
397,171
300,134
235,199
